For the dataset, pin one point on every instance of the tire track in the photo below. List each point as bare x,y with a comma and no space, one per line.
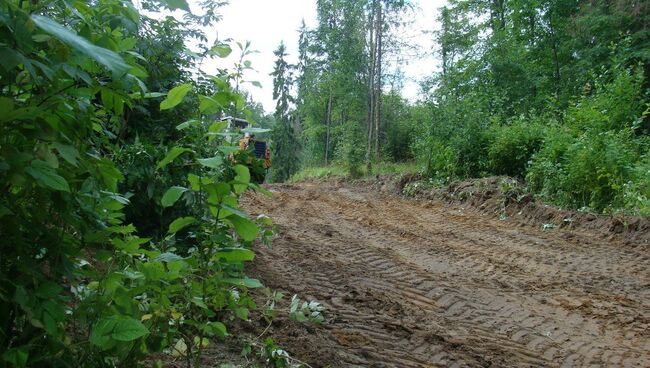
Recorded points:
413,285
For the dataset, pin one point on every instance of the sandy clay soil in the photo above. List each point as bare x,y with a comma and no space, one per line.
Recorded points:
421,283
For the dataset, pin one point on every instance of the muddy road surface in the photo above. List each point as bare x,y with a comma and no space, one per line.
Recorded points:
411,283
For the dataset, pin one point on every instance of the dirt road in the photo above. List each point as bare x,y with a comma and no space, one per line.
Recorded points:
419,283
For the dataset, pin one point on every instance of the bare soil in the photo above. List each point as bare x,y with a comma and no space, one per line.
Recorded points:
431,282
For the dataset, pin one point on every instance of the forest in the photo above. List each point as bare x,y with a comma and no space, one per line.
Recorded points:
124,241
552,92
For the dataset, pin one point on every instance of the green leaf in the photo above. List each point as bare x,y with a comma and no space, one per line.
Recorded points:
213,162
17,357
221,50
106,57
47,176
234,210
69,153
236,255
168,257
256,84
242,179
187,124
6,105
180,223
227,150
101,333
171,156
128,330
255,130
215,328
175,96
246,229
172,195
48,290
177,4
245,282
218,126
208,105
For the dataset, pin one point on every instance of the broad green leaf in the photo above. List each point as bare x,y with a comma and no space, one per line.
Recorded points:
17,357
227,150
100,335
6,105
172,195
168,257
175,96
195,182
256,84
208,105
147,95
153,270
69,153
106,57
171,156
246,229
218,126
221,50
255,130
180,223
130,246
48,290
215,328
213,162
138,71
236,255
177,4
47,176
242,179
232,210
187,124
245,282
128,330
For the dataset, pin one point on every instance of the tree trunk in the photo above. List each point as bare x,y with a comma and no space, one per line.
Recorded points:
377,98
328,120
371,90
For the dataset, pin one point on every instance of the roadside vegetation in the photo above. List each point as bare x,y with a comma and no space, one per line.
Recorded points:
554,93
123,242
341,171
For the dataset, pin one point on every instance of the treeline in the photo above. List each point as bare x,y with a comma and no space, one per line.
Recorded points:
554,92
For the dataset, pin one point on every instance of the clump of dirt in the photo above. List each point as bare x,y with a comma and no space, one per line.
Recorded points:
508,199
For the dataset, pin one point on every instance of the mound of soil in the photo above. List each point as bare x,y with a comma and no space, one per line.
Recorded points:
507,199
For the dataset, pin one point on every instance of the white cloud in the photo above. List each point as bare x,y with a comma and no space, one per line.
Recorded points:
268,22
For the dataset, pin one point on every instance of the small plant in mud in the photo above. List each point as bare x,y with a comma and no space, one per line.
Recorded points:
549,226
265,351
307,312
410,189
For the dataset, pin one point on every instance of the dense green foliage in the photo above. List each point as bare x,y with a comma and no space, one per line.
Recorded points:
122,236
551,92
523,93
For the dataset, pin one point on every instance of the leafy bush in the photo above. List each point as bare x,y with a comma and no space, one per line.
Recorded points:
511,146
350,153
637,190
591,171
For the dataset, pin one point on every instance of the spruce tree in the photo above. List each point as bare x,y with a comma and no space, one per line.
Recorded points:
285,145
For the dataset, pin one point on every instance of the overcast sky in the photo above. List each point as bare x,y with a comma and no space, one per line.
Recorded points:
267,22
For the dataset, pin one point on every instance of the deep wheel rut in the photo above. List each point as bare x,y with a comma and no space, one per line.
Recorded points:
421,284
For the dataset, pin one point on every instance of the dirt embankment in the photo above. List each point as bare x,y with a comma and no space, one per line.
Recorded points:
421,283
